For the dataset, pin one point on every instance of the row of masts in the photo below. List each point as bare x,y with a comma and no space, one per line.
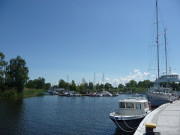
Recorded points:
157,41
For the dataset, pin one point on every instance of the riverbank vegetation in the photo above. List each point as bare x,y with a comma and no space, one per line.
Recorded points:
32,92
131,87
12,94
14,78
84,87
15,83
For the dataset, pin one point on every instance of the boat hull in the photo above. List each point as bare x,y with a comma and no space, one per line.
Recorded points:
158,99
127,125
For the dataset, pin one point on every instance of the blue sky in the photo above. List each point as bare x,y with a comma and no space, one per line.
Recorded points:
81,37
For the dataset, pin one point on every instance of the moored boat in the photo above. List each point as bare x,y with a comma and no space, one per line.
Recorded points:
130,114
106,94
73,94
159,95
63,93
115,94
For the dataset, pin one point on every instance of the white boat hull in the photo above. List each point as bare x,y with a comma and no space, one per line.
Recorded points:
158,99
178,93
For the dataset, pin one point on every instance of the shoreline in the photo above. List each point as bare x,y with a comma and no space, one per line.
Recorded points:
13,95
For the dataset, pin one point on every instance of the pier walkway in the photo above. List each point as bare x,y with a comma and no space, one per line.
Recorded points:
166,117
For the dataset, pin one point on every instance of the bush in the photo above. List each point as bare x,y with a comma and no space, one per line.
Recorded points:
8,94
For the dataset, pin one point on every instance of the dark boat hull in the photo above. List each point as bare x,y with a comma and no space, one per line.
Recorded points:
127,125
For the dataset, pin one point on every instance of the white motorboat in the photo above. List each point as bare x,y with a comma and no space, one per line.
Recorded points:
130,114
73,94
106,94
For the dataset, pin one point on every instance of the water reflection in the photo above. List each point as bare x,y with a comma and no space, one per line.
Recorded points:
59,115
10,117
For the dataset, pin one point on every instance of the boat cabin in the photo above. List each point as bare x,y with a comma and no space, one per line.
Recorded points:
134,106
169,78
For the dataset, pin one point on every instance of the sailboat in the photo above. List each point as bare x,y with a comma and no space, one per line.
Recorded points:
105,93
158,95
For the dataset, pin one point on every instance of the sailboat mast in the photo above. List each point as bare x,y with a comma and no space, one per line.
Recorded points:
94,83
165,48
94,79
157,40
67,78
103,82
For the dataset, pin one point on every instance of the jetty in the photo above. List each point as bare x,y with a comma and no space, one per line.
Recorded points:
166,117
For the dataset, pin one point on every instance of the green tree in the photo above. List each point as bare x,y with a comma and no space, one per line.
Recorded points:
78,89
86,86
90,87
73,86
47,86
3,64
131,83
67,87
97,86
30,84
108,86
83,88
17,73
101,87
40,83
120,86
62,84
145,84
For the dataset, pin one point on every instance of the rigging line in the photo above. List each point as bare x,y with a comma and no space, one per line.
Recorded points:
152,52
160,16
166,48
152,59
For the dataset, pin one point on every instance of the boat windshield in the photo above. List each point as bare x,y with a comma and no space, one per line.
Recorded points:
138,106
129,105
122,105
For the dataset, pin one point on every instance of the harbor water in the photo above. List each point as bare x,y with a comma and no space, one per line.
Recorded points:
47,115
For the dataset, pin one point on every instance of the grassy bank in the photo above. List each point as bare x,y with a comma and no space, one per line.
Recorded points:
12,94
32,92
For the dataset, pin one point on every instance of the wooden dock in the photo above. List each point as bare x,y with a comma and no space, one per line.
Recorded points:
166,117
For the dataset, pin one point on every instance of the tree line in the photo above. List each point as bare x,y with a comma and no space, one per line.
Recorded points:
14,76
131,86
38,84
